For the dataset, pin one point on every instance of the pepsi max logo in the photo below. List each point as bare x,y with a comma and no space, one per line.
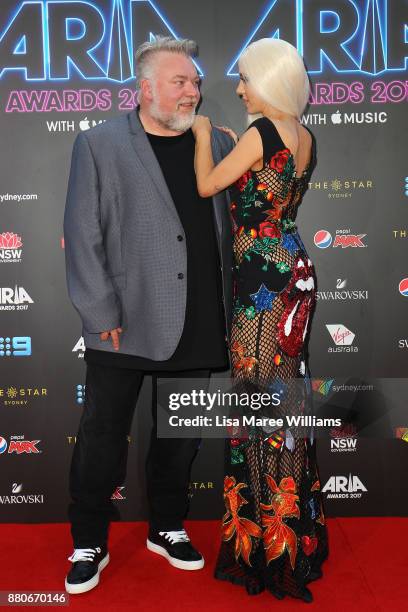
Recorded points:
343,238
323,239
3,445
19,446
403,287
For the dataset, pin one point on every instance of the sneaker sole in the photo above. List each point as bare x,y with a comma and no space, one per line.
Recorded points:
184,565
75,589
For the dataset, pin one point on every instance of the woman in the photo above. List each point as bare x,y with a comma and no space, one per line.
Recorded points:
274,532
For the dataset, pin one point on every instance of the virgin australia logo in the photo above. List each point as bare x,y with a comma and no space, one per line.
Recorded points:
342,337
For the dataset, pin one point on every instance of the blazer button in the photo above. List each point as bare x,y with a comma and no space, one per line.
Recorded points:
180,275
179,238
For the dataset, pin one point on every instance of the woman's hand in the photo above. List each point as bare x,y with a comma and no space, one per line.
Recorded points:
201,125
228,130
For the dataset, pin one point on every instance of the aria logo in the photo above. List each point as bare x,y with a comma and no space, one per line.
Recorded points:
79,348
14,299
342,337
341,293
343,487
16,498
10,247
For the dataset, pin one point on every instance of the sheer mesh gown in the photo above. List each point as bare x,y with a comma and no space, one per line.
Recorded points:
273,533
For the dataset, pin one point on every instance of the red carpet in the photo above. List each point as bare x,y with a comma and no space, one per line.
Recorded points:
367,570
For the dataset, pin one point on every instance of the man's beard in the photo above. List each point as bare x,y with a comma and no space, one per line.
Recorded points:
172,121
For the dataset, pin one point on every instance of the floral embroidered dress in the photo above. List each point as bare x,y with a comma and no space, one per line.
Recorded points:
274,532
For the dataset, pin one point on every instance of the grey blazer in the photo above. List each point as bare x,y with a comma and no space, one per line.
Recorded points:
125,266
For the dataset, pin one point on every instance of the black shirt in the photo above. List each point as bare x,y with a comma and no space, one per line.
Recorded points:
202,344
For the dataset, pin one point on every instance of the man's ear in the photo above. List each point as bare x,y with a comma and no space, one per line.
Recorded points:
146,89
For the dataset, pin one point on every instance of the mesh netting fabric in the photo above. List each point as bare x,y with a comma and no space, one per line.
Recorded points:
273,534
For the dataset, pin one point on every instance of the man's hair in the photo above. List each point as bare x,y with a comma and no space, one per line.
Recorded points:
146,52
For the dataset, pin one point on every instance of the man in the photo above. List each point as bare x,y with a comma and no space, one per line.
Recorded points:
148,263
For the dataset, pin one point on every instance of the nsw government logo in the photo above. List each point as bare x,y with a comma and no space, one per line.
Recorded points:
10,247
343,439
343,487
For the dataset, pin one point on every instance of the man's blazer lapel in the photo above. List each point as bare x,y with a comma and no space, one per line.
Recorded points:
146,155
218,199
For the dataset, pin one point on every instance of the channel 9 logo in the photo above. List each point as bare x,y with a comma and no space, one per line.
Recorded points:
16,346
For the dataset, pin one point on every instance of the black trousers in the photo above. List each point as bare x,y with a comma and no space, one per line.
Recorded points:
100,453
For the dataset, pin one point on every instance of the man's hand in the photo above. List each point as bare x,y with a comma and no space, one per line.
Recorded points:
114,334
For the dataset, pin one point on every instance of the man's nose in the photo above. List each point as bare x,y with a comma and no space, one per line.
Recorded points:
191,90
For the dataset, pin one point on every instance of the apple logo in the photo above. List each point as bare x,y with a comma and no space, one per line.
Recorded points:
84,124
336,117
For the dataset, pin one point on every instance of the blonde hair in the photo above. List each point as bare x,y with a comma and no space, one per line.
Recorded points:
276,72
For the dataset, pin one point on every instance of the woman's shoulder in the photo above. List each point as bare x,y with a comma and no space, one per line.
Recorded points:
262,124
268,132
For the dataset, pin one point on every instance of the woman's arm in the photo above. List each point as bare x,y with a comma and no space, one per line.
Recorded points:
213,179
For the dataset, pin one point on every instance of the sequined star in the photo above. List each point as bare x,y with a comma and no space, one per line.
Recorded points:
290,244
263,298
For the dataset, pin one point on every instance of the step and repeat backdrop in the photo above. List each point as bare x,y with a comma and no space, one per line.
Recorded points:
66,66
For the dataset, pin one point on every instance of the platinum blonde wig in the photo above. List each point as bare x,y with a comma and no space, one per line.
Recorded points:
277,74
145,54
